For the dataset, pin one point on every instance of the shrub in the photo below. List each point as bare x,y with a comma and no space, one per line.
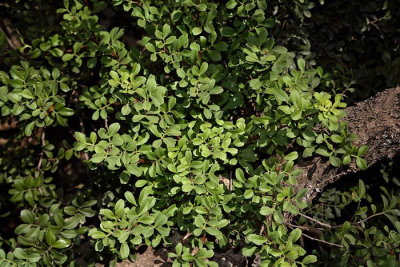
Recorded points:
193,129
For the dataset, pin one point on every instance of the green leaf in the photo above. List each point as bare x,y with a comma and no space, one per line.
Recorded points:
308,152
203,68
140,183
231,4
255,83
214,232
240,175
266,211
27,94
257,239
215,55
119,208
361,163
249,193
150,47
113,129
124,251
292,156
346,159
155,92
126,110
336,138
146,220
361,188
335,161
178,248
71,222
280,95
27,216
19,253
57,52
166,30
322,152
134,169
66,111
196,30
294,235
228,31
301,64
131,199
29,128
309,259
67,57
249,251
362,150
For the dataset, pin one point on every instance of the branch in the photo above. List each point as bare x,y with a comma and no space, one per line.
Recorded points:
334,226
322,241
370,217
307,228
376,121
315,220
12,37
43,138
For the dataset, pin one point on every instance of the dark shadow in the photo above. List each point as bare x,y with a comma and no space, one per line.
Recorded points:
357,41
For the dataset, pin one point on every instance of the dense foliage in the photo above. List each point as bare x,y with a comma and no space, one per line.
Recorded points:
178,124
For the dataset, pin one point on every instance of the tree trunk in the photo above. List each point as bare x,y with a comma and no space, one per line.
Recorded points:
376,121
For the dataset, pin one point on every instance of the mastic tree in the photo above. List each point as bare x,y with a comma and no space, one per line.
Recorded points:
176,124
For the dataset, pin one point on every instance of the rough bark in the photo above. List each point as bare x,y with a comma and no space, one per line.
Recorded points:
12,37
376,121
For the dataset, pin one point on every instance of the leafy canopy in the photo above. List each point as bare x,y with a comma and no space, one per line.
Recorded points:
193,130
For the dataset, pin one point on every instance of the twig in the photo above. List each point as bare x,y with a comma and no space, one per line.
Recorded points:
364,220
322,241
43,138
308,228
231,183
370,217
262,229
334,226
298,226
315,220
